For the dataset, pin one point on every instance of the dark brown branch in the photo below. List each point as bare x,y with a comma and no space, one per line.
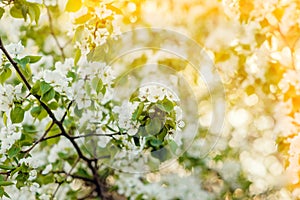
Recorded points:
51,137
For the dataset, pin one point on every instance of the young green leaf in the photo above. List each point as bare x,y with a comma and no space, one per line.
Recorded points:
17,114
97,84
34,59
45,87
6,183
5,74
15,12
2,11
154,127
48,95
36,88
6,167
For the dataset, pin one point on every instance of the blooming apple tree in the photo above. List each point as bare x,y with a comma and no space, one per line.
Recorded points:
93,105
61,126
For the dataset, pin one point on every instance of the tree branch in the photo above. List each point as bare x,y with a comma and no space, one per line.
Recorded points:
68,108
51,137
96,134
67,175
94,169
61,48
75,176
39,140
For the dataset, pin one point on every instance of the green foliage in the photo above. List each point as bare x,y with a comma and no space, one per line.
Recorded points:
52,132
97,84
6,167
5,74
3,193
2,11
6,183
23,9
17,114
13,151
38,112
25,67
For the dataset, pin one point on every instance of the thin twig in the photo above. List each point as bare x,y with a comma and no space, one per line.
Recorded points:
74,176
53,34
51,137
95,134
66,112
39,140
67,175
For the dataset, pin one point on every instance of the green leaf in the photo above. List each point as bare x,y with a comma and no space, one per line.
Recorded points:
162,134
77,56
161,154
155,142
154,127
97,84
13,151
45,87
5,74
67,157
38,112
2,11
34,12
82,172
173,146
37,12
73,5
17,115
24,9
166,105
15,12
6,167
21,179
36,88
78,33
6,183
138,111
97,54
34,59
53,131
84,18
29,129
53,105
23,62
42,114
3,193
48,95
35,111
44,180
5,119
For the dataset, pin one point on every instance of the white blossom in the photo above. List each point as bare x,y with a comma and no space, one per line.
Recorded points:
15,49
